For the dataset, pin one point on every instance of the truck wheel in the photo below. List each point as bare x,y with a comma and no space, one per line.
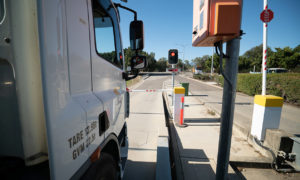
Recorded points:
103,169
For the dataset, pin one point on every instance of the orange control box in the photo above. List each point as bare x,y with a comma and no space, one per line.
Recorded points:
216,20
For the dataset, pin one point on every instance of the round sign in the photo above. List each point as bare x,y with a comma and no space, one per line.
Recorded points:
266,15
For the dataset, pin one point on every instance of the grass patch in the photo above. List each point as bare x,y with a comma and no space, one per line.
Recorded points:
203,77
211,112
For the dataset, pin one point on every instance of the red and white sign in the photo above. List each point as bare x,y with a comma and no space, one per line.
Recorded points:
266,15
173,70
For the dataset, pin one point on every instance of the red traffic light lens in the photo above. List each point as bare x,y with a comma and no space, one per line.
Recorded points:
172,54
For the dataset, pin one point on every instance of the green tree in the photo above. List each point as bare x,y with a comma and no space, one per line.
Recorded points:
244,64
285,58
151,61
199,62
129,53
254,57
205,63
187,65
297,49
162,64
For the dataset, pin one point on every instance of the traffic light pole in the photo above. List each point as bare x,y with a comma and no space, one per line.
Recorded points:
231,69
173,67
173,59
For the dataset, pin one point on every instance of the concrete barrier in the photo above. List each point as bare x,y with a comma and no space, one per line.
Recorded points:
163,168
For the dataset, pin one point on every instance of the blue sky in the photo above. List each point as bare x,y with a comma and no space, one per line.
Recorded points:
168,25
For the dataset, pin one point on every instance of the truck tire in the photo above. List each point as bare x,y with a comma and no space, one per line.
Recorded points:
103,169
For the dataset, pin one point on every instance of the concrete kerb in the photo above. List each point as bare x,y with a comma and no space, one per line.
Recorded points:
163,161
170,114
163,168
146,77
177,168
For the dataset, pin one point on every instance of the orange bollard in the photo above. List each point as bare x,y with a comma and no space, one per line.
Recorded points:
181,110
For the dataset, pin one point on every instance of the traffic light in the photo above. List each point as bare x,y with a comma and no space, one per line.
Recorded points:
173,56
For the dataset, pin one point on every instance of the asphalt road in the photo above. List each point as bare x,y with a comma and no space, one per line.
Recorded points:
290,121
146,118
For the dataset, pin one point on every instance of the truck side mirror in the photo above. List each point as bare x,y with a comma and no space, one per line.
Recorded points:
138,62
137,35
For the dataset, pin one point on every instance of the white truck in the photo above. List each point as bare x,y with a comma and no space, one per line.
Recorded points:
63,99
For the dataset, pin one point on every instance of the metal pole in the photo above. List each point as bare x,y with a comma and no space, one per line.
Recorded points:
212,64
173,66
233,47
264,58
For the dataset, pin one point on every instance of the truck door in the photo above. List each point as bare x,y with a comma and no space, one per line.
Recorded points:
71,108
107,62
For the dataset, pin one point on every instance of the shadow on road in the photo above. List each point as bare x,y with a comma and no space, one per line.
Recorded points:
156,73
141,170
144,113
187,105
201,120
237,103
198,95
141,149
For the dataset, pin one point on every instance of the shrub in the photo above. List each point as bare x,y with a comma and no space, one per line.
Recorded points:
219,79
285,85
203,77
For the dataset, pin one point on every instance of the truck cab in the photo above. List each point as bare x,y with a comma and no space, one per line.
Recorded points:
63,99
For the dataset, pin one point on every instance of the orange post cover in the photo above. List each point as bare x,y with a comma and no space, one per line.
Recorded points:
227,19
215,20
